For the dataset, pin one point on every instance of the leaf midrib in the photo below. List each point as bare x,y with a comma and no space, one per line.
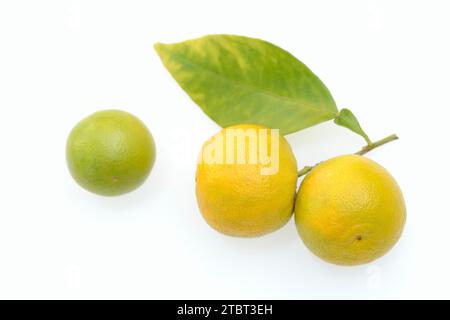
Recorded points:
252,88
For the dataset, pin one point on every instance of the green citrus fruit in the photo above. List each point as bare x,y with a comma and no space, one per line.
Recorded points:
349,210
247,198
110,152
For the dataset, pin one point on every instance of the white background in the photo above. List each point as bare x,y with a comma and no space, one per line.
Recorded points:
61,60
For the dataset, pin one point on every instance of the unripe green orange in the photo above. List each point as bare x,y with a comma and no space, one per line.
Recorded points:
110,152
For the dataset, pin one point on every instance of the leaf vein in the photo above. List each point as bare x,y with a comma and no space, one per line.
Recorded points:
250,87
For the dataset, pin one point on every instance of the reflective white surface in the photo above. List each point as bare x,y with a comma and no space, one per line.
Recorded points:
388,61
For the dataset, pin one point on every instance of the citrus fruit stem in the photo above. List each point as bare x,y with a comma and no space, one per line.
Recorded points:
361,152
376,144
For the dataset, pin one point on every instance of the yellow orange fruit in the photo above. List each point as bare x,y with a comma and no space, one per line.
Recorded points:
246,198
349,210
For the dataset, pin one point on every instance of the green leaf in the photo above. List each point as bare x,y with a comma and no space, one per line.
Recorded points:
348,120
236,79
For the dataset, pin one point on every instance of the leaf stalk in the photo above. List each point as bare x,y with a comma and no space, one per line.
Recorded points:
363,151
